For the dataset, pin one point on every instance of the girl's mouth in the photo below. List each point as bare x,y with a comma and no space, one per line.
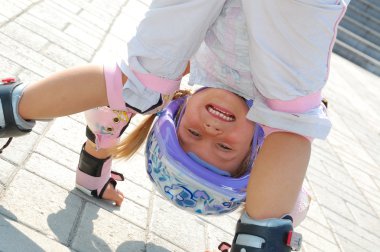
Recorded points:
220,113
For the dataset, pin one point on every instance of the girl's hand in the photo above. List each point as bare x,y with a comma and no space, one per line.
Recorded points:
113,194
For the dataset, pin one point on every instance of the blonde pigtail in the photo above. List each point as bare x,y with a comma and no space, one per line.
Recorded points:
130,144
133,141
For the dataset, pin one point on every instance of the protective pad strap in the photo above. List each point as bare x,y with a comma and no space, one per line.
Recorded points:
11,124
158,84
266,236
114,85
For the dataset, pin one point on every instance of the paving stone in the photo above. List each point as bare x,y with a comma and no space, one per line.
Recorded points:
91,40
100,230
18,237
68,133
9,9
157,244
20,148
349,245
62,56
318,234
134,170
365,219
58,153
41,205
101,21
50,170
224,222
129,210
315,213
79,117
24,36
347,229
313,241
6,171
373,198
326,186
28,77
363,179
26,57
73,44
134,192
179,227
8,67
3,20
331,201
68,5
51,14
40,127
215,236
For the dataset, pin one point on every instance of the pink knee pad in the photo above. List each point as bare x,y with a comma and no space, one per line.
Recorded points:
298,105
105,126
301,207
93,175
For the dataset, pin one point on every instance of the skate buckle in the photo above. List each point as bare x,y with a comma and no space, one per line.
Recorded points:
294,240
8,80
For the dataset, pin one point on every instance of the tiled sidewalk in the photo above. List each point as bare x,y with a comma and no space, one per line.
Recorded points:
40,210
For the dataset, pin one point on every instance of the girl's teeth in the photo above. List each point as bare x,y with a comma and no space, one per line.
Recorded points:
219,114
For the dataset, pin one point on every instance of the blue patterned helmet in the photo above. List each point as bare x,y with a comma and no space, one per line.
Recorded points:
183,180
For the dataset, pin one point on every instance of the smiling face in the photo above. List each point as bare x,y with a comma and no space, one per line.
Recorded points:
215,128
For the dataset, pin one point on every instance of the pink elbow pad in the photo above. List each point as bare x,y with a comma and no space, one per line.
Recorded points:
164,88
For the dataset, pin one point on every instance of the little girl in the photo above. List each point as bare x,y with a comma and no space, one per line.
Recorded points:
275,53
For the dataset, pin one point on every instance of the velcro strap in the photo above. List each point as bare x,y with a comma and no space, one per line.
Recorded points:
114,85
275,237
90,165
90,135
10,129
117,176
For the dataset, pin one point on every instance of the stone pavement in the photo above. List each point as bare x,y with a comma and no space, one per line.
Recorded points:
40,210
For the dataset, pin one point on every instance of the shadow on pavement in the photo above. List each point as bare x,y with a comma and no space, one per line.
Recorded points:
16,239
85,230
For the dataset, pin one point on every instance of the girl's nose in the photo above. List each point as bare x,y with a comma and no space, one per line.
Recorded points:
212,129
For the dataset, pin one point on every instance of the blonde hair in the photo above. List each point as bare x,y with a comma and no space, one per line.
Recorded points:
133,141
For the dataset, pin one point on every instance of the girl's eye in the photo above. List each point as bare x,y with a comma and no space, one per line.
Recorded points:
224,147
194,133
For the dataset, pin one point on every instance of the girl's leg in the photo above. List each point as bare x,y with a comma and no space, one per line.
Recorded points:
274,185
64,93
277,176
